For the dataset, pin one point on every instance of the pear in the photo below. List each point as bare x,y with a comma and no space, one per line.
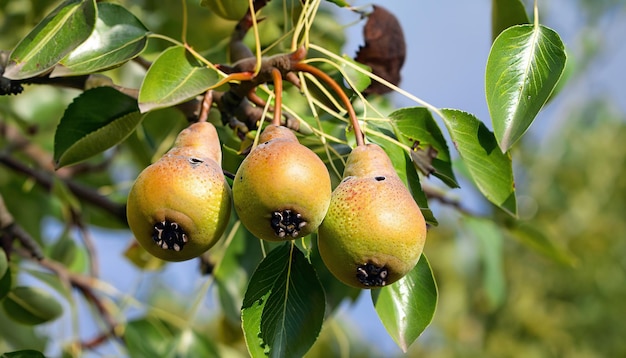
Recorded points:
179,206
374,232
282,189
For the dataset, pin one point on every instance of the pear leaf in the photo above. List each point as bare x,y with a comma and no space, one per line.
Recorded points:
407,306
174,77
97,120
118,37
283,308
53,38
490,169
524,66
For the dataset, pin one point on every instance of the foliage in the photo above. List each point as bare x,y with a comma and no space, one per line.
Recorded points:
132,80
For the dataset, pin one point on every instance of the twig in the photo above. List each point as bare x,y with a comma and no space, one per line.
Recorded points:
81,191
11,231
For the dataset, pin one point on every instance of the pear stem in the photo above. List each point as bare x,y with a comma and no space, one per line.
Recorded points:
207,102
278,100
346,101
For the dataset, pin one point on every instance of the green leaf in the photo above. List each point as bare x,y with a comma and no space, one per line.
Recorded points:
506,13
524,66
284,305
5,275
52,280
174,77
490,240
118,37
490,169
538,241
416,126
358,79
233,272
189,343
31,305
53,38
148,337
407,306
97,120
26,353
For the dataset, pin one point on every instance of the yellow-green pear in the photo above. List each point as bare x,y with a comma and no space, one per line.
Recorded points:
374,232
282,189
179,206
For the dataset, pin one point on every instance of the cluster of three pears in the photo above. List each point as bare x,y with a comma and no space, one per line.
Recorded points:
371,231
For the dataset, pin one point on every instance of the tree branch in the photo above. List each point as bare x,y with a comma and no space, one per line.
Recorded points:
81,191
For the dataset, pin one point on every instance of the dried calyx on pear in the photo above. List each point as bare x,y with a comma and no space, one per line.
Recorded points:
374,232
282,189
179,206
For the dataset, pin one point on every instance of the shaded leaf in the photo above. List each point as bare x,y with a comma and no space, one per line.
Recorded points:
384,50
95,121
407,306
490,239
417,127
284,304
524,66
25,353
53,281
234,270
228,9
490,169
31,305
118,37
53,38
148,337
542,244
506,13
5,275
174,77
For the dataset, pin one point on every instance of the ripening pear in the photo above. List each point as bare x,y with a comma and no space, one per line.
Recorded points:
282,189
179,206
374,232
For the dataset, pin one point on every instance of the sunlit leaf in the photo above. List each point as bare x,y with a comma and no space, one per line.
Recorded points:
31,305
53,38
141,258
97,120
416,126
283,308
524,66
118,37
407,306
506,13
490,169
358,79
189,343
174,77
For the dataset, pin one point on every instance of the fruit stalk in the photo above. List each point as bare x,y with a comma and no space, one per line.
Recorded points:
358,134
